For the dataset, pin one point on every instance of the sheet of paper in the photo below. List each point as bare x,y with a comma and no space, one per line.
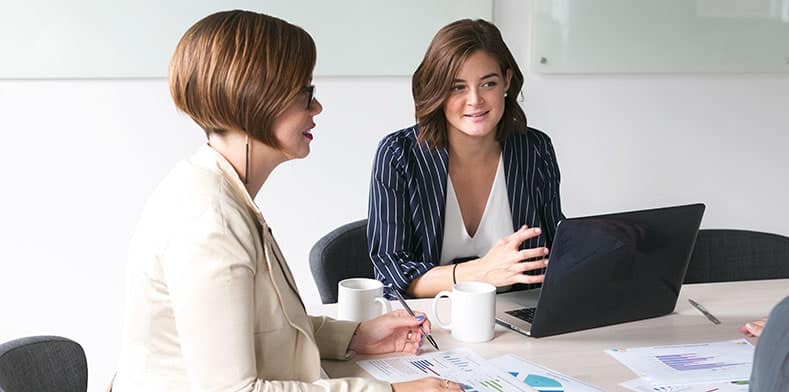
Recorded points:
462,366
642,385
689,363
539,378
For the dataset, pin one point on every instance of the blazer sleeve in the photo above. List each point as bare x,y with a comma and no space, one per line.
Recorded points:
551,210
333,336
390,233
210,273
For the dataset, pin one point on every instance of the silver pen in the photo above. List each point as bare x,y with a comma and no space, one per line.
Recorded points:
408,309
704,311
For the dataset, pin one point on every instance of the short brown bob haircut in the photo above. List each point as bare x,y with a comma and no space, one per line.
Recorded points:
433,79
239,70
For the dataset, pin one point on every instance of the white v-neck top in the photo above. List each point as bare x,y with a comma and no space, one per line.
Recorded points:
496,222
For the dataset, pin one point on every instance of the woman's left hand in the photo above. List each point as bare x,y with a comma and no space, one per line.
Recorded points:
395,331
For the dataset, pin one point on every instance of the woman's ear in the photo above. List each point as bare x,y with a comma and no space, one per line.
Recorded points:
507,79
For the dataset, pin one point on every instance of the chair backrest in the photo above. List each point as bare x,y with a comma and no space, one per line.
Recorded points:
339,255
43,364
733,255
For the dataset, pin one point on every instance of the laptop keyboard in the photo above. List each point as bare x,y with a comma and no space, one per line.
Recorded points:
526,314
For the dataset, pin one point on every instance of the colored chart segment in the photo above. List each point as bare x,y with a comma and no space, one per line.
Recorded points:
539,378
425,366
539,382
543,384
693,361
460,363
493,384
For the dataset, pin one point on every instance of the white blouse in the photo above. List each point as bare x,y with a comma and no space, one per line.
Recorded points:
496,222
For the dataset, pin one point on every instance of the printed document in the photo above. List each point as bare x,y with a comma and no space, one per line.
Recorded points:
689,363
461,366
539,378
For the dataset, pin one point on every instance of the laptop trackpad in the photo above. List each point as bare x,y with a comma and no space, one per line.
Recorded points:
525,298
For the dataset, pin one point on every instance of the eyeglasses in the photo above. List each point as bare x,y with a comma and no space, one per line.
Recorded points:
310,92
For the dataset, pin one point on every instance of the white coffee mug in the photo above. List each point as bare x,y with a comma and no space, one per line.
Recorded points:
358,299
473,311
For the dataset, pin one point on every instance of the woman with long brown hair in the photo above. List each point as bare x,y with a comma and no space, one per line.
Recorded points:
470,181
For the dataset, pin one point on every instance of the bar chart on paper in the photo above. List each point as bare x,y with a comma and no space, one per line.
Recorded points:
689,363
465,367
693,361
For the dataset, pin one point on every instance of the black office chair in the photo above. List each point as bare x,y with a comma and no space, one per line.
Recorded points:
733,255
43,364
339,255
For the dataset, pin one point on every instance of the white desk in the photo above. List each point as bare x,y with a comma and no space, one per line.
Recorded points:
581,354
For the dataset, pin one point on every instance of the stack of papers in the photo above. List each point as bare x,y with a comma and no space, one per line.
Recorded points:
719,366
703,367
503,374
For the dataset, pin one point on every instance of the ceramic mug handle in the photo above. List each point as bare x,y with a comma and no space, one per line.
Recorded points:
440,323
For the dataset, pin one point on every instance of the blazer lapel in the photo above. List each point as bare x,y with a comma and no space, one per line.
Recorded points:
517,174
431,185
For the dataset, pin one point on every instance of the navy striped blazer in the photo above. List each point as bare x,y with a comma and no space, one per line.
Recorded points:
408,194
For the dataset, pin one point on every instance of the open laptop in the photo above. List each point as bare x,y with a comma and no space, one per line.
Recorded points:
605,270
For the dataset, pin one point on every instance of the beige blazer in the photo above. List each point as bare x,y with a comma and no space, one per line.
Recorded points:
210,302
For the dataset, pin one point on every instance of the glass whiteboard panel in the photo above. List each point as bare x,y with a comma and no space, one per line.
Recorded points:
660,36
135,38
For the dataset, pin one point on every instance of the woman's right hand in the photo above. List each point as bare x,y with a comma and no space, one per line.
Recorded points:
753,328
427,384
503,265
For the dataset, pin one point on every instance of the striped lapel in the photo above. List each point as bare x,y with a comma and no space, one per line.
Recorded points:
513,167
520,169
431,185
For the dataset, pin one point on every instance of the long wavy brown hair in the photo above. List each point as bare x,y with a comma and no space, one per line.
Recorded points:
433,79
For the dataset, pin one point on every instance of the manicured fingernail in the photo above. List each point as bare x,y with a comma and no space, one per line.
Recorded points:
537,230
546,261
545,251
420,318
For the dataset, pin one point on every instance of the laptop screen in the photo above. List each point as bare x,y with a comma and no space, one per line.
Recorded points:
614,268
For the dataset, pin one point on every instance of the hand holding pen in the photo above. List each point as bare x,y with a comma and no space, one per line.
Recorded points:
397,331
411,312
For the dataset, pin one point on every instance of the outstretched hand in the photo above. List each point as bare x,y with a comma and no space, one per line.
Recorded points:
504,265
395,331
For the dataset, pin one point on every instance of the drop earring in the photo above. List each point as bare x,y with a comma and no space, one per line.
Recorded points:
246,161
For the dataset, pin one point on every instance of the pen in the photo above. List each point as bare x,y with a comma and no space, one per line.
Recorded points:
408,309
704,311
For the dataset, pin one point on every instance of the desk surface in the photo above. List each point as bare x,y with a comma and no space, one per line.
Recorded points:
581,354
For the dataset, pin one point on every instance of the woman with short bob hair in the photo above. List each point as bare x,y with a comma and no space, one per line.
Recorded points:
211,303
469,192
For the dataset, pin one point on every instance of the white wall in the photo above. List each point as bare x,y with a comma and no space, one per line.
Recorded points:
630,142
79,158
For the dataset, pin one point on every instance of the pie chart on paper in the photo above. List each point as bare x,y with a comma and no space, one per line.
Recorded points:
541,383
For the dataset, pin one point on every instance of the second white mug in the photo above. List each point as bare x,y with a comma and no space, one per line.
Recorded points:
361,299
473,311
